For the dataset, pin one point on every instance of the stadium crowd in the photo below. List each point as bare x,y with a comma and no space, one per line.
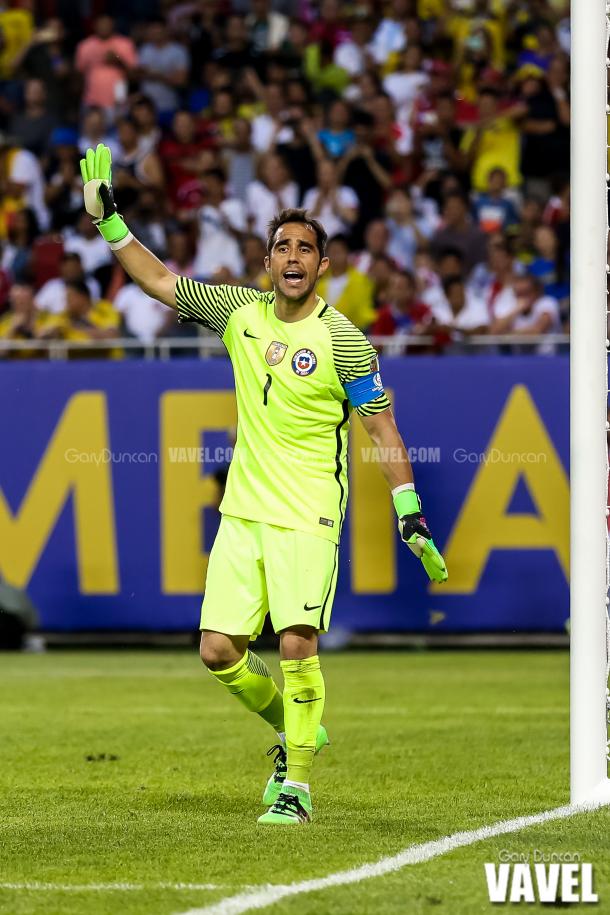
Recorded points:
430,137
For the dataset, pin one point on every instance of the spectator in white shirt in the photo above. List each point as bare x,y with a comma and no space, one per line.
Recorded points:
23,179
392,33
404,85
354,55
274,191
334,205
407,231
87,242
268,29
144,113
239,157
528,312
493,281
460,313
144,317
163,67
222,223
266,127
52,295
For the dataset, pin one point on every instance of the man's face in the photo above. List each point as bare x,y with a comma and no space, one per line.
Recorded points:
35,92
104,27
254,251
445,110
21,298
524,292
183,127
71,269
294,263
94,124
454,211
338,254
496,181
236,30
488,106
401,290
376,237
86,227
157,34
500,259
450,265
260,8
77,304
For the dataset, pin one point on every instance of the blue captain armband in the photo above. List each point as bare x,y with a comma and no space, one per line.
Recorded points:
363,390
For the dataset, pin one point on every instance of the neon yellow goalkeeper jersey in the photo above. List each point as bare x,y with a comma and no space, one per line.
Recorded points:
296,384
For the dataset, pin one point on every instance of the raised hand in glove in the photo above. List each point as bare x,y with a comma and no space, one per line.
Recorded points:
96,169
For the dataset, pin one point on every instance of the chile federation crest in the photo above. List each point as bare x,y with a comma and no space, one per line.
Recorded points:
304,362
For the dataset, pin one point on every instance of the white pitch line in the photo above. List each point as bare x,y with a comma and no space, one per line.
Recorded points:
108,887
266,895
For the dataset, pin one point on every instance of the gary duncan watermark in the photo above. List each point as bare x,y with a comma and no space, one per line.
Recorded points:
106,456
495,456
540,876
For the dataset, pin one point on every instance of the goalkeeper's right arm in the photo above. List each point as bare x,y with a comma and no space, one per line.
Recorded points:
143,267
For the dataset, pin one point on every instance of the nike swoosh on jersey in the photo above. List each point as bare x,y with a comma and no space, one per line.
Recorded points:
303,701
315,607
252,337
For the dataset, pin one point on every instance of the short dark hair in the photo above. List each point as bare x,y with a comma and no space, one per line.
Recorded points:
535,282
143,101
455,195
407,274
215,172
450,251
294,214
79,286
341,238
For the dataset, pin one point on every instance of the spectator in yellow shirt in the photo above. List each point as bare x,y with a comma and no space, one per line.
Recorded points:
16,30
495,142
85,320
24,322
350,291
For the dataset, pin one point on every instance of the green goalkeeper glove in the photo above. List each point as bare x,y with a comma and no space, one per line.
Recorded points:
414,532
96,169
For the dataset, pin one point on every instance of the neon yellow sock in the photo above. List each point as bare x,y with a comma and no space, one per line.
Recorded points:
303,706
252,683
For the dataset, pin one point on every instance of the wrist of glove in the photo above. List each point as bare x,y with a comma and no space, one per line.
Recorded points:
415,533
96,170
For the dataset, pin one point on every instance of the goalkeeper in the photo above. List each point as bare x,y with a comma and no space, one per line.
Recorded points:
300,368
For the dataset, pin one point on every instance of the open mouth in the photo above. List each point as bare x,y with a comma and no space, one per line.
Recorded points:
293,277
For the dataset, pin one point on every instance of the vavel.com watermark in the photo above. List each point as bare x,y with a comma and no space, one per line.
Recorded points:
540,876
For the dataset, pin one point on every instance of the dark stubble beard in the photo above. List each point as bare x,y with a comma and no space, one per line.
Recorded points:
302,298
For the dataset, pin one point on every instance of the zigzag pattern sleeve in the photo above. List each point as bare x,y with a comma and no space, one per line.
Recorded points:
211,306
352,354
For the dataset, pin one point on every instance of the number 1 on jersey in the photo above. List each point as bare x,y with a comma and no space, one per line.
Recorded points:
266,388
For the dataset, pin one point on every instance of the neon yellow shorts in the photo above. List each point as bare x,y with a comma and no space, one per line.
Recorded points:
257,568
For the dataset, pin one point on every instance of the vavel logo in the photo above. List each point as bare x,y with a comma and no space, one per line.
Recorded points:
541,877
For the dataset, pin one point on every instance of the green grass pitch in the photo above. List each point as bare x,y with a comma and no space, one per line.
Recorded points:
423,745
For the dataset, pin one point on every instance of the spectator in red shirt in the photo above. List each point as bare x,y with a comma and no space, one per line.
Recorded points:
329,26
403,313
180,153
